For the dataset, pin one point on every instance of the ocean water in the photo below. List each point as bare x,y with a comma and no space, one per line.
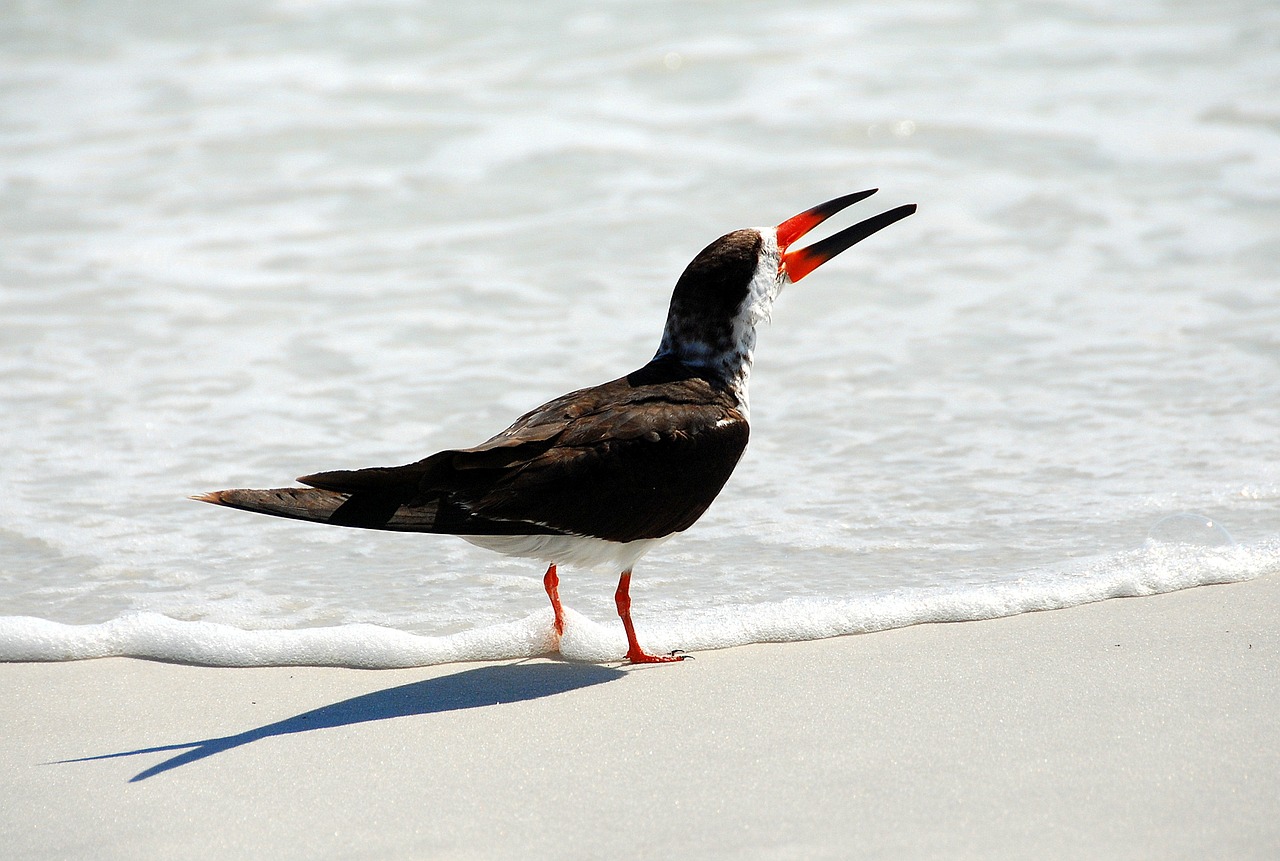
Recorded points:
241,242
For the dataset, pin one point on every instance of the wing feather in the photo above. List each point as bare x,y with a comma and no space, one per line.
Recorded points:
639,457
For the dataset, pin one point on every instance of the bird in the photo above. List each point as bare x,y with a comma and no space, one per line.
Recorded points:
602,475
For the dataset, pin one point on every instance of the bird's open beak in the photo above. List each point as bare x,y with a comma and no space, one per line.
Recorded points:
799,263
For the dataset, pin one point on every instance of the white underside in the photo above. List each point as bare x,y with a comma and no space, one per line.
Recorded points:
572,550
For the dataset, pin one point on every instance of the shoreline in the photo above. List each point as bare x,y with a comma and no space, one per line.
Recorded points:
1138,727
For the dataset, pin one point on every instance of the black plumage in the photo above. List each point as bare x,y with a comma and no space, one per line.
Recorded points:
640,457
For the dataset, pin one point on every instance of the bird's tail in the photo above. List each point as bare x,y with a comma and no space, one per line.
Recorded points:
364,498
298,503
382,508
365,510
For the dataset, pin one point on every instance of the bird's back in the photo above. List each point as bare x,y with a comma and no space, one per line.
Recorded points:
640,457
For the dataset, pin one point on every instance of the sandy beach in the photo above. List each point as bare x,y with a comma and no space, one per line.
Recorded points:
1132,728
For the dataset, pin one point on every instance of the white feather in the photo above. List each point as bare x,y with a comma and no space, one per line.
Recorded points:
572,550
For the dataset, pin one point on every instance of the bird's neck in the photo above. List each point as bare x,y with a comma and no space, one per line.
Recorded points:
726,362
722,347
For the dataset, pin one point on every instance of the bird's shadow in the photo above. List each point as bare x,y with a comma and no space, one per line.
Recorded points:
482,686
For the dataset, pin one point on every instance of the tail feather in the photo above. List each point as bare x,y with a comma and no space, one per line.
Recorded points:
377,478
369,511
404,480
298,503
427,496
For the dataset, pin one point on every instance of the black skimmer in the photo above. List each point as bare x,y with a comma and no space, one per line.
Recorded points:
605,474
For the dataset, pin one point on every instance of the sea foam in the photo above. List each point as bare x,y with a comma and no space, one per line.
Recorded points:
1153,569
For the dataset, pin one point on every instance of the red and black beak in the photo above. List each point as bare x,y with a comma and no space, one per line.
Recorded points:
799,263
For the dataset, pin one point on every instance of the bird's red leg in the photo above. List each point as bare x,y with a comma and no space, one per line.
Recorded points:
552,584
635,654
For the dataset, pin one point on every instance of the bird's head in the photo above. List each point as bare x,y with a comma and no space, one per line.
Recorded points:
729,288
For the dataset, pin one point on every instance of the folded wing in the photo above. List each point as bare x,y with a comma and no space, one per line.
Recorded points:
640,457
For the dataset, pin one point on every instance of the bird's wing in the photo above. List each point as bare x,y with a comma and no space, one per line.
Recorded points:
640,457
645,469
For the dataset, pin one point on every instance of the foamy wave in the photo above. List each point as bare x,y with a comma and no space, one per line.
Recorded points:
158,637
1151,570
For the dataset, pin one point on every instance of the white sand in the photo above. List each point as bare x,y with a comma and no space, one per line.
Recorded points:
1141,728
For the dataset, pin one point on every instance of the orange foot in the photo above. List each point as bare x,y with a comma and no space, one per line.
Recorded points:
636,655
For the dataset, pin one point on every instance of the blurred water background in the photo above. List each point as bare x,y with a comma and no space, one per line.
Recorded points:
244,241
